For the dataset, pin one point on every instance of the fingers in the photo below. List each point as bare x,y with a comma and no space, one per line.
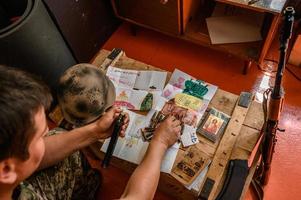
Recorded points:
178,131
126,118
123,130
125,124
114,111
176,123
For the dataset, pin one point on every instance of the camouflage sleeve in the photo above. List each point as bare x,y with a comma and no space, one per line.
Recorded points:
72,178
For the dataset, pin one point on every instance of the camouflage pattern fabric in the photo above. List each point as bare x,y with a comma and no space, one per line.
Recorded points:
72,178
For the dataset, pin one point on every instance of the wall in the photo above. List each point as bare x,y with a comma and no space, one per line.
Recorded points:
85,24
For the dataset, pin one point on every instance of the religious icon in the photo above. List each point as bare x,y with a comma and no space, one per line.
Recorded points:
213,126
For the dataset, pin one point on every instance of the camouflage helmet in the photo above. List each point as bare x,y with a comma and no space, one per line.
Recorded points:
84,93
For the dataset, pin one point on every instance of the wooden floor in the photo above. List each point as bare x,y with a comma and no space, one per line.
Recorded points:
225,71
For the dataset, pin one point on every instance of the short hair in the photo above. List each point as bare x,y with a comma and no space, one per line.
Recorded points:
21,96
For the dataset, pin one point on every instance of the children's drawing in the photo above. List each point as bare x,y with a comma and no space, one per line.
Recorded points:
170,91
180,82
196,88
122,98
189,85
147,102
188,101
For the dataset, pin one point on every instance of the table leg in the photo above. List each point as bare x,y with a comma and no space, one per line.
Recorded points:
269,39
247,66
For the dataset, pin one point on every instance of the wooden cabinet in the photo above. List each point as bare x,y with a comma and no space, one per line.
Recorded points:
186,19
168,16
160,15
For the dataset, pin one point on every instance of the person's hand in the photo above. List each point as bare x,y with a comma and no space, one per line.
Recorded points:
104,126
168,132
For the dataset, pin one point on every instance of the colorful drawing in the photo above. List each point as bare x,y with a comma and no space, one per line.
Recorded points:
196,88
170,91
123,96
179,83
190,85
188,101
147,102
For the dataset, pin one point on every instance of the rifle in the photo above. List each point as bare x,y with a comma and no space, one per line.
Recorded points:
276,100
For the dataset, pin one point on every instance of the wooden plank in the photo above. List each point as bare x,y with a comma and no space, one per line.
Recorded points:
224,150
247,138
255,116
100,57
224,101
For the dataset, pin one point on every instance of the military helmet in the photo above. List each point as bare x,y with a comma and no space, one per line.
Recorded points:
84,93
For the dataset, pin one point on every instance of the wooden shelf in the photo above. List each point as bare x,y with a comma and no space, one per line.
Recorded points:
197,32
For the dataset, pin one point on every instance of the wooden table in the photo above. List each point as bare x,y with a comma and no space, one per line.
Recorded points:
238,141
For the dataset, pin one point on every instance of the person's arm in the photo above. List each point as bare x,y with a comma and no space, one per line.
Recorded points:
144,181
58,147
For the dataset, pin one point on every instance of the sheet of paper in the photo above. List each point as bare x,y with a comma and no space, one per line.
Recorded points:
178,79
171,91
223,30
122,77
189,136
157,80
130,98
211,91
160,103
142,80
177,84
133,150
156,98
137,97
136,123
196,184
169,158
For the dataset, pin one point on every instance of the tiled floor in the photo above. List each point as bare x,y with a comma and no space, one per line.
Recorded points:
225,71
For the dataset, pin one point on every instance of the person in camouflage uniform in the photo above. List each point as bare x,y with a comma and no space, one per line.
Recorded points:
26,145
72,178
63,171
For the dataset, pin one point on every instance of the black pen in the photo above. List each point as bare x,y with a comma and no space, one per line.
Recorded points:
113,141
